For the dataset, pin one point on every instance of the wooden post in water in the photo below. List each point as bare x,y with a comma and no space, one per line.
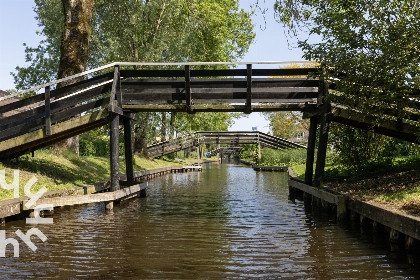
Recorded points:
310,150
128,147
114,135
322,150
323,134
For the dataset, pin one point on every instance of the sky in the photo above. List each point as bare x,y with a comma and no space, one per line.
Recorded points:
18,26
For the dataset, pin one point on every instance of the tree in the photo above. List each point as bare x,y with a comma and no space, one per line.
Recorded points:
204,121
74,49
153,31
287,124
372,46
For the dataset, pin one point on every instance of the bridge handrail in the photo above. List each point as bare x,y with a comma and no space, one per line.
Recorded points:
145,64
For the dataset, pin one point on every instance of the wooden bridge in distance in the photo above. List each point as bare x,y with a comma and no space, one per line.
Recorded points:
230,138
111,97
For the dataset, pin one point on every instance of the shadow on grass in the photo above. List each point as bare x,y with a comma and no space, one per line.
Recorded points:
84,170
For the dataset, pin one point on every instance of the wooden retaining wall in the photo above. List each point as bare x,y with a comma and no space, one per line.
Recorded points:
91,194
264,168
400,229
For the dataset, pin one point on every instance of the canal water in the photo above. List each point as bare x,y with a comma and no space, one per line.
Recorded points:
228,222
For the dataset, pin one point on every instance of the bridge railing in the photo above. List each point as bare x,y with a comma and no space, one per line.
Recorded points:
41,111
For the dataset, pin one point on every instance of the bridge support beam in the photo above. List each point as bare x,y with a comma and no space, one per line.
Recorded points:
114,151
128,147
322,149
310,152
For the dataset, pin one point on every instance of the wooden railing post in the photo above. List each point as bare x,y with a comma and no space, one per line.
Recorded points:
188,89
47,111
248,107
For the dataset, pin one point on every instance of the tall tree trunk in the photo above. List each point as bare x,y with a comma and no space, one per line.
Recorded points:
172,125
163,127
74,49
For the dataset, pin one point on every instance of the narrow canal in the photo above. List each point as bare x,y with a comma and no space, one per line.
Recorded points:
228,222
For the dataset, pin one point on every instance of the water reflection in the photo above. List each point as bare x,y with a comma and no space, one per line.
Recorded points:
226,222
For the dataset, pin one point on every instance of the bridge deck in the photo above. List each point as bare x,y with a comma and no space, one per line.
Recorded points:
58,113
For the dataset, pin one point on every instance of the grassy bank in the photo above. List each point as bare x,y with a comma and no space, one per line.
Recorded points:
393,182
67,170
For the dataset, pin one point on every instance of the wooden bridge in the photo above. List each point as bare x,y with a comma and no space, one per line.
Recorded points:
114,92
231,138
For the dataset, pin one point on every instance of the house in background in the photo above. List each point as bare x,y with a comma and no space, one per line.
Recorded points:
301,137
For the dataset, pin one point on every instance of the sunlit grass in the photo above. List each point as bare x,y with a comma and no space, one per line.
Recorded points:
68,170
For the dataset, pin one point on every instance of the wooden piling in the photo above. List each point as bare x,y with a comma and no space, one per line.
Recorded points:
109,205
128,147
310,152
342,214
322,150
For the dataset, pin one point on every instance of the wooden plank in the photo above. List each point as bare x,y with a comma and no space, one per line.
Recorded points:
152,73
21,129
22,117
74,111
10,207
285,72
55,129
310,92
74,200
22,103
391,128
70,89
47,111
220,108
406,224
375,109
317,192
270,168
65,103
218,83
37,139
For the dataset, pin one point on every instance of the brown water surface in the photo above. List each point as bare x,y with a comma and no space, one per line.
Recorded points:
228,222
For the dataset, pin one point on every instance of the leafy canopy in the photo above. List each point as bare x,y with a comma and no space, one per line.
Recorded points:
375,44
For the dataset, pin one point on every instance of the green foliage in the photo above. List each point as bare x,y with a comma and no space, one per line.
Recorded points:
374,43
287,124
153,31
339,172
249,152
204,121
95,143
362,150
271,157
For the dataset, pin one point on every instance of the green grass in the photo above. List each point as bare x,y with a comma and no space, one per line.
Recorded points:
67,170
271,157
